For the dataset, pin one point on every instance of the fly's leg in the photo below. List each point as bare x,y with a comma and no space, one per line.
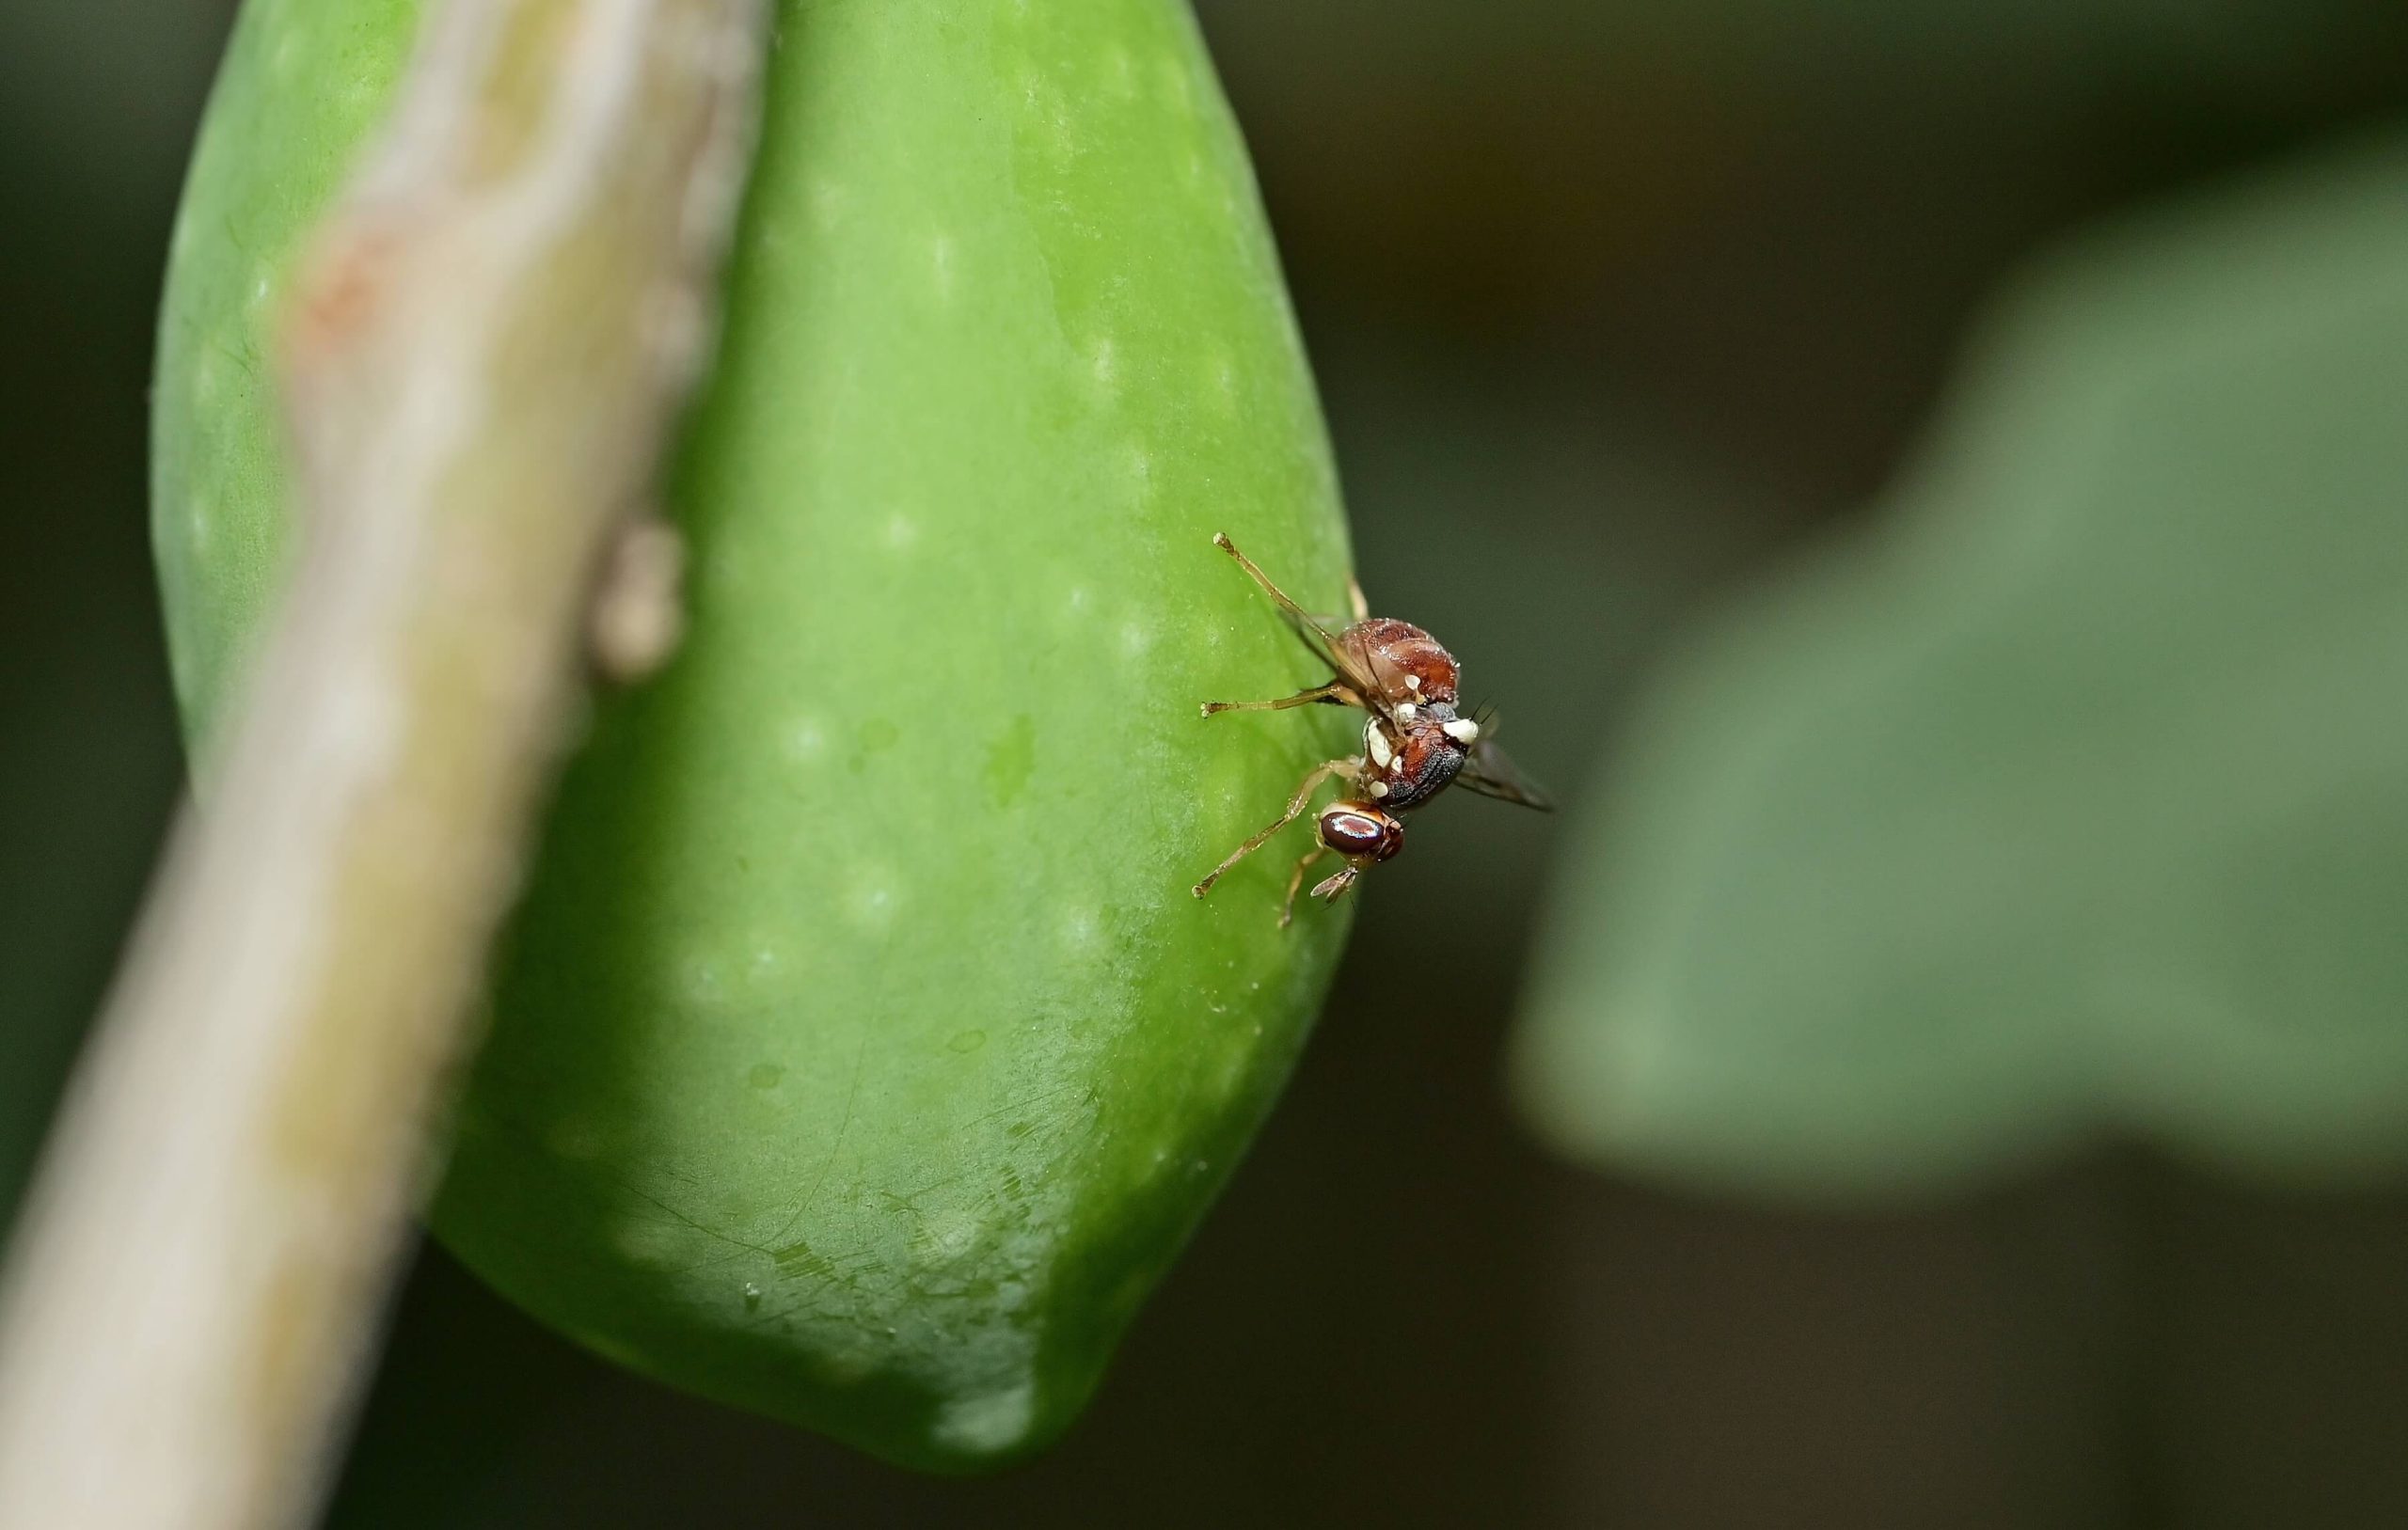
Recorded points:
1349,769
1279,597
1336,693
1332,888
1307,626
1296,880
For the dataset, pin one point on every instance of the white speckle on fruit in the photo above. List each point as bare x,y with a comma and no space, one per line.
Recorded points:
901,532
1135,639
1120,72
1141,469
1077,601
828,202
1174,89
703,981
288,52
200,525
1105,364
806,739
259,293
769,963
874,897
1232,1073
991,1422
1079,929
204,378
941,266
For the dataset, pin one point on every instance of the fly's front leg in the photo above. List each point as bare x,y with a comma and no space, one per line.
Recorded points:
1336,693
1349,769
1296,880
1333,887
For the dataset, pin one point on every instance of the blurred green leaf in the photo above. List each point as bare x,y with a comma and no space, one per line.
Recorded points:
860,1055
2073,799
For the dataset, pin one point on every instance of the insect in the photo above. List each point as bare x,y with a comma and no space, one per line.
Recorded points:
1414,743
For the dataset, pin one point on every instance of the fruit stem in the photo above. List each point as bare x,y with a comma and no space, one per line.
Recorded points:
483,368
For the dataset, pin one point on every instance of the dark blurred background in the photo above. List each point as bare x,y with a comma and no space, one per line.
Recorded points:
1613,305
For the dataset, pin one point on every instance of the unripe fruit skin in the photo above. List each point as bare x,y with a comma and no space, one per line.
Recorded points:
859,1055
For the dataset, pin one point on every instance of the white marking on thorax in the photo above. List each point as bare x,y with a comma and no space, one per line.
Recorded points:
1376,742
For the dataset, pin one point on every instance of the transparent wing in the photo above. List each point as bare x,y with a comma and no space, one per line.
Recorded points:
1326,647
1490,773
1377,680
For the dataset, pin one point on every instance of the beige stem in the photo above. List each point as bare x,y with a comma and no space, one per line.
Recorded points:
484,363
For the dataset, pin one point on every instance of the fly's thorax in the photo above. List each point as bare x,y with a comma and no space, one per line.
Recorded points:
1412,759
1408,664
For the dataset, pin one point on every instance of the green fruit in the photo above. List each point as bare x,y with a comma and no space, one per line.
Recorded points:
859,1055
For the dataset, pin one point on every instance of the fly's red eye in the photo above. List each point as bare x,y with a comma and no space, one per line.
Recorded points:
1360,832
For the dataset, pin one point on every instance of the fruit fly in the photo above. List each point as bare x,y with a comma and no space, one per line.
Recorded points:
1414,743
